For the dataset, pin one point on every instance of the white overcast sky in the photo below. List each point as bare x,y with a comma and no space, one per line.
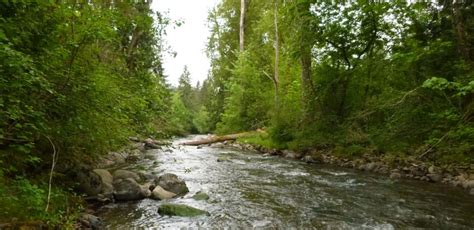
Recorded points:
189,40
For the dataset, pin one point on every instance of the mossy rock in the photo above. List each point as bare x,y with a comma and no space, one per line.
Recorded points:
180,210
201,196
223,158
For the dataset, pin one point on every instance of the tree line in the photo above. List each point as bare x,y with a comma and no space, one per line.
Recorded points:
377,77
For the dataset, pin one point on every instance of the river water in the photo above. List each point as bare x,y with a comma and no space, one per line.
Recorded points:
250,190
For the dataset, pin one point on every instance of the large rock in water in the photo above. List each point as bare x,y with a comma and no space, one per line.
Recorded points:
124,174
88,182
107,188
201,196
160,194
128,189
180,210
171,182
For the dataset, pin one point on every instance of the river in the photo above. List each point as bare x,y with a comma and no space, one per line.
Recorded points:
250,190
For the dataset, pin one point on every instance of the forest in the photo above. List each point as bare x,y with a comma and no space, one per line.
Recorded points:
386,78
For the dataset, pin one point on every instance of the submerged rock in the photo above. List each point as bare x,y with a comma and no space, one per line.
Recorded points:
160,194
171,182
201,196
180,210
223,158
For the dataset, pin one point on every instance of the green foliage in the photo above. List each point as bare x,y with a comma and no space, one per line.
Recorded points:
75,80
79,78
25,201
202,120
180,116
384,77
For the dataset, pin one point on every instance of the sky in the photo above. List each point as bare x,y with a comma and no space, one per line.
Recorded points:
189,40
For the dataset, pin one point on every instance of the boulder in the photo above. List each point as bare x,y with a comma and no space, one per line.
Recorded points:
433,169
128,189
88,182
90,221
172,183
180,210
468,184
201,196
146,190
144,176
116,157
290,154
370,166
160,194
104,175
152,144
395,175
134,156
107,188
124,174
434,177
309,159
138,146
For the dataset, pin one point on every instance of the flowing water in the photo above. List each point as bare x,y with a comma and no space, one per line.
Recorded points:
265,192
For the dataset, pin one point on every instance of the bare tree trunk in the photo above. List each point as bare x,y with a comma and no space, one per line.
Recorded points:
243,9
276,76
53,164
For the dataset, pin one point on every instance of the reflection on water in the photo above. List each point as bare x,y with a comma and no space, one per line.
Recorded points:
255,191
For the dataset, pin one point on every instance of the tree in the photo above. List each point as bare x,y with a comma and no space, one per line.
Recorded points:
243,9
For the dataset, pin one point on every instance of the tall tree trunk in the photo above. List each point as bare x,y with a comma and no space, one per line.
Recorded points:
461,35
243,9
276,77
307,89
464,48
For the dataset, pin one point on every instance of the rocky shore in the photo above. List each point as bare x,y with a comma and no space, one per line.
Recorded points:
107,182
458,176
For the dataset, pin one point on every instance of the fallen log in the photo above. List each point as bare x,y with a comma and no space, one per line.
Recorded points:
215,139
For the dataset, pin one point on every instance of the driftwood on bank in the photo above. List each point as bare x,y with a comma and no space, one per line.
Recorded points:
215,139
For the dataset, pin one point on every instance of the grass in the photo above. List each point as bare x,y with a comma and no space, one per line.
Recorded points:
23,201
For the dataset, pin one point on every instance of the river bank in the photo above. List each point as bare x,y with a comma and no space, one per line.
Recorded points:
461,176
249,190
